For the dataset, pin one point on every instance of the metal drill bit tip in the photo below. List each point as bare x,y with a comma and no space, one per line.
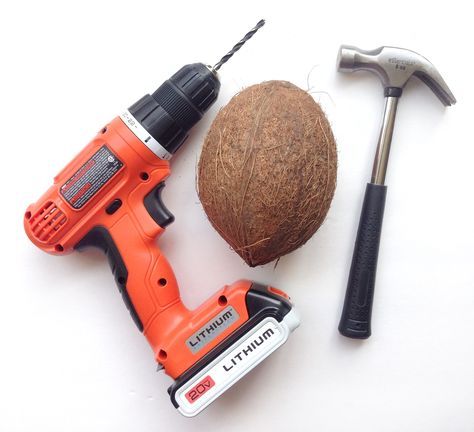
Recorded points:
238,45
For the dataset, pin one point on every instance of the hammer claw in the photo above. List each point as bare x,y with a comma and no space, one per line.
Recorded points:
437,84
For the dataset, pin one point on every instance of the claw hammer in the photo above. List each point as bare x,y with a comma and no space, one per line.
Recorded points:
394,67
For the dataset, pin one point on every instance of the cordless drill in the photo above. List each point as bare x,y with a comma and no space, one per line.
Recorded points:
108,197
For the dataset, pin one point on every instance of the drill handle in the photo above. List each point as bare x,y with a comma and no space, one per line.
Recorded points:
142,273
357,311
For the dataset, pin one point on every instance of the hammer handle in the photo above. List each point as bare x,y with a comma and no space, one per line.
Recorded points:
357,310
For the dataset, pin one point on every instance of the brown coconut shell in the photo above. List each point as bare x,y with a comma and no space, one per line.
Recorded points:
267,171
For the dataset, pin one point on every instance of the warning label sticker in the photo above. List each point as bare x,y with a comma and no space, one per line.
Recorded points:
90,177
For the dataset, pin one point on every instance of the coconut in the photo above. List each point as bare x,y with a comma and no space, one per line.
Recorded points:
267,171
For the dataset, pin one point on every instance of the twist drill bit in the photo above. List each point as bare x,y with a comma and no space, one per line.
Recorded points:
238,45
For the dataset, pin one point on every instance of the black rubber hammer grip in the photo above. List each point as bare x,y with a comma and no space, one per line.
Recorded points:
357,311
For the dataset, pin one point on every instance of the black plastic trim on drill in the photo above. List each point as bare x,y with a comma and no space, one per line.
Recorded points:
392,91
113,206
198,84
177,105
155,207
158,123
260,299
261,304
100,238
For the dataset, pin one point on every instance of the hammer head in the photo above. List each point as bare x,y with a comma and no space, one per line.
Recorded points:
394,67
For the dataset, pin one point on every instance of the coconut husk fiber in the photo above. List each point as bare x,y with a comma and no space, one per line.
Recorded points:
267,171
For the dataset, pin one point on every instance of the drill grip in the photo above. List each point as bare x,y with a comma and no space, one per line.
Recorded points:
357,311
143,275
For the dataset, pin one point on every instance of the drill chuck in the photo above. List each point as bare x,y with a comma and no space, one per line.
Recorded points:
162,120
177,105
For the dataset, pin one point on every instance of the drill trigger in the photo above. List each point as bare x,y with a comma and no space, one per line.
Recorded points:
155,207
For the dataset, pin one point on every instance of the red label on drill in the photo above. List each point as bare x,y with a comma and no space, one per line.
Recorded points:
200,389
90,177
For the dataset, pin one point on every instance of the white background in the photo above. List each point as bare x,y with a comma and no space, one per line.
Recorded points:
70,357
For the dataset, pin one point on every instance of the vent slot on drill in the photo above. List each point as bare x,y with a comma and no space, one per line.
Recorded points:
47,221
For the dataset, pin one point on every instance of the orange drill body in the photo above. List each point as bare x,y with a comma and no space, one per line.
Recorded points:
151,286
